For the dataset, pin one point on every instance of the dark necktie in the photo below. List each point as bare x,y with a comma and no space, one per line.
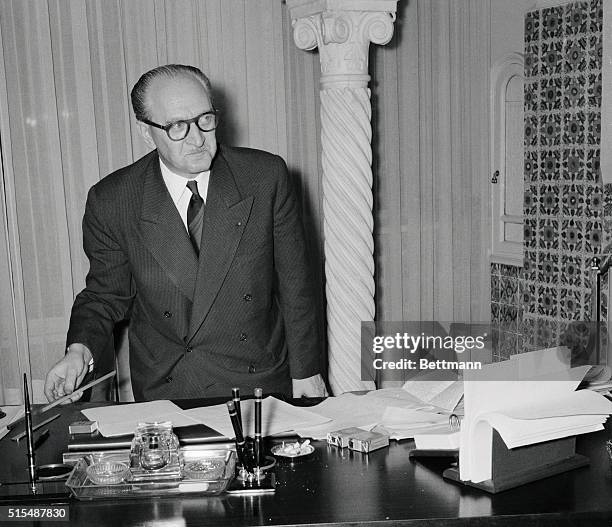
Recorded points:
195,215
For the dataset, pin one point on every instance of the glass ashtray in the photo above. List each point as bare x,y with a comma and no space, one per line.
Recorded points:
210,469
293,450
108,472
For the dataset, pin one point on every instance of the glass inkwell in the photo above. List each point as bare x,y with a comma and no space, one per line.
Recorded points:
155,452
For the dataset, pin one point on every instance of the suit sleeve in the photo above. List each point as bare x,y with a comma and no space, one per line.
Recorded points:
108,292
295,283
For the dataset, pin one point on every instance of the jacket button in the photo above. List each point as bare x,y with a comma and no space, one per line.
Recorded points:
243,336
168,379
251,369
248,297
167,314
188,349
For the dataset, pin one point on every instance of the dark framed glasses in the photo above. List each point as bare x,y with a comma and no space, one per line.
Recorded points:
178,130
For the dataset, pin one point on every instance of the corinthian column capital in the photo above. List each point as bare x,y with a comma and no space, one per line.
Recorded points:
342,30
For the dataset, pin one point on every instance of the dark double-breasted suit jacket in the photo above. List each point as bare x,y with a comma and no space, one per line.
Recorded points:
243,314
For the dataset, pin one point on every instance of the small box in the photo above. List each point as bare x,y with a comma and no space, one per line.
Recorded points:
341,438
83,427
368,441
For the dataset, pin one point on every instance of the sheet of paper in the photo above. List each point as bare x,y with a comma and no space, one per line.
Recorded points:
12,414
520,432
428,385
582,402
598,375
404,423
407,416
397,397
449,398
122,420
277,417
544,360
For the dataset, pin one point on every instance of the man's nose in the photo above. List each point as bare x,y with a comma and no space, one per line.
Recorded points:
195,136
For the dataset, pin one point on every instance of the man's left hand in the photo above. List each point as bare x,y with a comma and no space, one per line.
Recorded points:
310,387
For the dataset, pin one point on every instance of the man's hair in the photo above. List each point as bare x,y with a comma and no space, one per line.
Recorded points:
170,71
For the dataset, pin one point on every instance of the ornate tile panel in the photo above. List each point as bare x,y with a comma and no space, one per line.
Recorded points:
567,213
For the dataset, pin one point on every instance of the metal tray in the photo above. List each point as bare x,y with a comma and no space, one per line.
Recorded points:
84,489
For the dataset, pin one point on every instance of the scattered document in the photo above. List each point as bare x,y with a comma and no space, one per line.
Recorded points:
398,412
345,411
12,414
122,420
276,417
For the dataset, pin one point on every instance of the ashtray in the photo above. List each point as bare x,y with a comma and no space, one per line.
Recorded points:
53,471
293,450
209,469
107,472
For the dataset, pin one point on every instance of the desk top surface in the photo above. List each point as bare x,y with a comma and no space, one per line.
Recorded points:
341,487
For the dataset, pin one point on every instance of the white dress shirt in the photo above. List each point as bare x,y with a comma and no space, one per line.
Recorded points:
180,194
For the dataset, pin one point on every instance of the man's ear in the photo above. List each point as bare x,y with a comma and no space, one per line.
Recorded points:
145,132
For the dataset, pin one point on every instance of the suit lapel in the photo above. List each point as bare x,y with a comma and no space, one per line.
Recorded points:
164,233
225,220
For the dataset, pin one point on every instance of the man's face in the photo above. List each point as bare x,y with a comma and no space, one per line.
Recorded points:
177,99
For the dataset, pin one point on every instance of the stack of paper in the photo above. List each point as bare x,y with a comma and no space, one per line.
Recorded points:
528,400
443,437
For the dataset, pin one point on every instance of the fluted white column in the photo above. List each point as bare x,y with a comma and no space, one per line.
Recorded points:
343,30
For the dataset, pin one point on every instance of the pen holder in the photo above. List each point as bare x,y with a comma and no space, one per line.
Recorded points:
251,473
514,467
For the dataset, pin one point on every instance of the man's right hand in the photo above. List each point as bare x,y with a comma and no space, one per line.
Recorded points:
67,374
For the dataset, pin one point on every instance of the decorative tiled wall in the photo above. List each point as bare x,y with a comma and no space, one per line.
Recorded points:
548,300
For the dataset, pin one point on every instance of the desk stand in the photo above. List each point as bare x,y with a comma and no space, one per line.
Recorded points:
517,466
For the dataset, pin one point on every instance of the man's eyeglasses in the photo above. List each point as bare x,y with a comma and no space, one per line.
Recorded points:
178,130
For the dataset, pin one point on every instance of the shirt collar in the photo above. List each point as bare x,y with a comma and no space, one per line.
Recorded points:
178,184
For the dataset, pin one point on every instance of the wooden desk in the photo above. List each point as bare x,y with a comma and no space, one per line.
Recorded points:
339,487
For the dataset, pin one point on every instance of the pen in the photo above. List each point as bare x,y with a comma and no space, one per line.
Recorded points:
240,443
258,393
42,437
20,436
236,399
29,435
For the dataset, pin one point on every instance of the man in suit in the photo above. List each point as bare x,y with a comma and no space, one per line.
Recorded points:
201,245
